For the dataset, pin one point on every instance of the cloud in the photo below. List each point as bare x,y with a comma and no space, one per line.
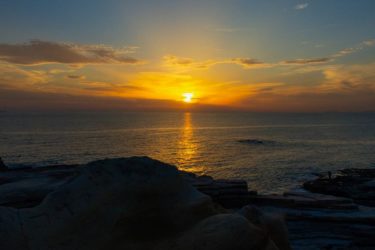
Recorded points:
349,88
350,77
75,77
301,6
43,52
369,42
248,62
307,61
346,51
310,101
341,53
105,88
359,47
174,61
26,100
17,77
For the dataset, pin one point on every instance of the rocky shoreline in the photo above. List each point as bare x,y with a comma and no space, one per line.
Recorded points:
356,184
327,213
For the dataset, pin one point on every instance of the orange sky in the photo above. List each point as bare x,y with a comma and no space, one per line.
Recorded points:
293,57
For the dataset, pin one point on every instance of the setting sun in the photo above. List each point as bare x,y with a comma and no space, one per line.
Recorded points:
187,97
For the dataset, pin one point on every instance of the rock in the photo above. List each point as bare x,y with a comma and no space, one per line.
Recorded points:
11,233
357,184
212,233
272,224
304,200
317,228
128,203
27,187
251,141
257,142
3,167
370,185
228,193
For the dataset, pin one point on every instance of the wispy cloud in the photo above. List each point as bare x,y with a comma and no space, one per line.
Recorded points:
43,52
17,77
359,47
248,63
369,42
105,88
301,6
346,51
251,63
78,77
333,57
174,61
308,61
349,77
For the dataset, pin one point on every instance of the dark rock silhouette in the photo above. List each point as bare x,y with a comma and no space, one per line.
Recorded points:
158,207
130,203
257,142
357,184
251,141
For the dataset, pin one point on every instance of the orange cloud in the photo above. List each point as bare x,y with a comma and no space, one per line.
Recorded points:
16,77
350,77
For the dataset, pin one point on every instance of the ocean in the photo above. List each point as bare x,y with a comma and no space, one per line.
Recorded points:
274,152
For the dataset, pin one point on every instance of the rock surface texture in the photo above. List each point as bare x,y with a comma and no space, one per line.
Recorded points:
126,203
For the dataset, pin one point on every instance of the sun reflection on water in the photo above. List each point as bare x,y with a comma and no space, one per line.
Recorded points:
188,147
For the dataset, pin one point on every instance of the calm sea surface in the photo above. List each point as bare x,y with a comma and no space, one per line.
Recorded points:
295,145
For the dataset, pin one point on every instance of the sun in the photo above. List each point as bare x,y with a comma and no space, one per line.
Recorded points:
187,97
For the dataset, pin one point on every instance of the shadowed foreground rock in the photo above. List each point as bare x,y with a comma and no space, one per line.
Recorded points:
134,203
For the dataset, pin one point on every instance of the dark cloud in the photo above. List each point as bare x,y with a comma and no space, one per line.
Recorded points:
22,100
248,62
41,52
360,101
308,61
109,87
75,77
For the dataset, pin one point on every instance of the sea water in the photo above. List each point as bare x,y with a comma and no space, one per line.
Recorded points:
272,151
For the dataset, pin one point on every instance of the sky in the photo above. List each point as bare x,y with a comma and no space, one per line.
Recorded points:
247,55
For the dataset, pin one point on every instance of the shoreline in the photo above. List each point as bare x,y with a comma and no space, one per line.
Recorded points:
304,211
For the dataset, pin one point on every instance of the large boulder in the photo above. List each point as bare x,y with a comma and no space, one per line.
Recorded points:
272,224
127,203
223,232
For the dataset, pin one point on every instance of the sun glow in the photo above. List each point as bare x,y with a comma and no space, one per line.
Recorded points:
188,97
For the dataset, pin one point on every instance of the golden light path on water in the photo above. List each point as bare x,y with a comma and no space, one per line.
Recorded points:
187,146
